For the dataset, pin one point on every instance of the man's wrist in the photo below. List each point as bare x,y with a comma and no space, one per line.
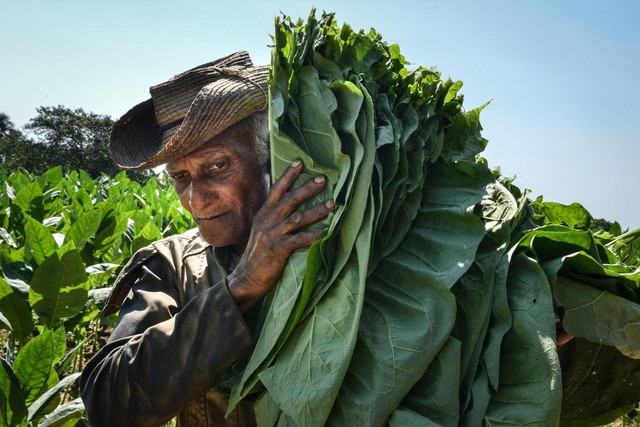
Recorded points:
242,290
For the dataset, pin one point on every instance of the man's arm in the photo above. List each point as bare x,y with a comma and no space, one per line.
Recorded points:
162,357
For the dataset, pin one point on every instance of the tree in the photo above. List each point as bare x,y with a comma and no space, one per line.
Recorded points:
17,151
74,139
5,124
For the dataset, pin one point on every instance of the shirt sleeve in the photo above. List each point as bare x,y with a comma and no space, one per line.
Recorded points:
161,357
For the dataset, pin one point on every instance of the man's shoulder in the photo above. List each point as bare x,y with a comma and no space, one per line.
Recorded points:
180,245
172,248
173,251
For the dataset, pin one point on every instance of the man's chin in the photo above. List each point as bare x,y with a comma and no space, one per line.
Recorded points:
215,238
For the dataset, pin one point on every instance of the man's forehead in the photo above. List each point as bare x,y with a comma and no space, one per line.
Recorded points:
231,144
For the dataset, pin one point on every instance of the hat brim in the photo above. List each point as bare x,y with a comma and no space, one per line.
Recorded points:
136,137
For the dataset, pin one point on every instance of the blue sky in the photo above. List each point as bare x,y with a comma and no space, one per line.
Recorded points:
562,76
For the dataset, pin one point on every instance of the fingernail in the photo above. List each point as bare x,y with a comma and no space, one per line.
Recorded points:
296,163
319,179
329,204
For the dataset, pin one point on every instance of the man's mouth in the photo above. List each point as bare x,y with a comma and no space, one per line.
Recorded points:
209,218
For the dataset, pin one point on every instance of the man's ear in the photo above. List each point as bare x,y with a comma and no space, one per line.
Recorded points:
267,181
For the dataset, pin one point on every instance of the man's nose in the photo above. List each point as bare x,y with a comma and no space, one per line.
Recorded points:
200,196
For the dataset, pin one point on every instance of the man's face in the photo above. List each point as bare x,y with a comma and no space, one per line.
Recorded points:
222,186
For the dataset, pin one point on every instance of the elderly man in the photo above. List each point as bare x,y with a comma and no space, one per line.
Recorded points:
188,303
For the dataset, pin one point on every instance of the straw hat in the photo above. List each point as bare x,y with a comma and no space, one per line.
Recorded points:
188,110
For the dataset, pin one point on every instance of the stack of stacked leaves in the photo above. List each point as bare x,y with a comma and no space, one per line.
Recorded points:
434,294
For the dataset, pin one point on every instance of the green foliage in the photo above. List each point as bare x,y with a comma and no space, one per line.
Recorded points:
435,294
72,139
63,239
6,125
595,279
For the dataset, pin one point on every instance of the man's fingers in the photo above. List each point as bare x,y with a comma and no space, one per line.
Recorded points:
293,199
303,239
282,185
306,217
288,200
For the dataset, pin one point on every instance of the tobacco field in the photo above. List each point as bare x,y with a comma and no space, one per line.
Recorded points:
62,240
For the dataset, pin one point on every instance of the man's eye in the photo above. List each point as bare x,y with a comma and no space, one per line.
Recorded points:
179,176
218,166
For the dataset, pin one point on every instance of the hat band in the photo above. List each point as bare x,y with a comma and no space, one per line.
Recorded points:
167,131
171,125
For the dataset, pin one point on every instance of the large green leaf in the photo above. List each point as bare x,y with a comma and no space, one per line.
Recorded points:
626,247
58,289
111,231
51,178
573,215
84,228
13,410
302,380
553,241
16,271
66,415
29,198
149,233
616,279
18,179
39,405
34,363
16,312
434,399
589,371
530,388
599,316
39,241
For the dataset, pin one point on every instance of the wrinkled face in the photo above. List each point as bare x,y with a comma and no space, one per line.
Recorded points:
222,186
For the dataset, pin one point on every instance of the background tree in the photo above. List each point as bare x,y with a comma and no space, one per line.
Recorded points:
72,138
5,124
17,151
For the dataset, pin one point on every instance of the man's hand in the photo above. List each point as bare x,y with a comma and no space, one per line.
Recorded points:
273,236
